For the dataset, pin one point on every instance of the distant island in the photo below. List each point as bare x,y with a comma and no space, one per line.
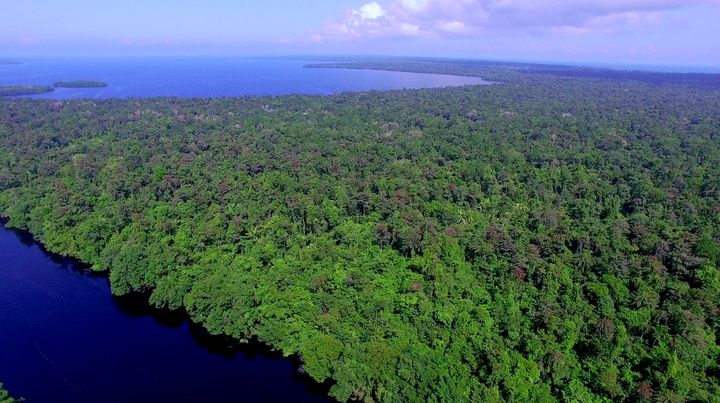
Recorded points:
9,61
80,84
13,90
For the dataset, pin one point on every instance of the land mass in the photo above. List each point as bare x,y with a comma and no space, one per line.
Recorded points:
5,396
17,90
80,84
9,62
499,71
552,238
14,90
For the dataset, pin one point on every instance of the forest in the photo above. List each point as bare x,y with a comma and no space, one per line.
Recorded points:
14,90
17,90
515,71
5,396
547,238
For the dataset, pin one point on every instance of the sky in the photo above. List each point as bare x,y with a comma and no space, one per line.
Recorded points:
653,32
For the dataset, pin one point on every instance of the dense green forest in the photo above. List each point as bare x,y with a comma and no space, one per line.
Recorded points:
548,238
80,84
14,90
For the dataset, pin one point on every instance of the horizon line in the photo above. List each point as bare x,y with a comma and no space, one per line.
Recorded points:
638,66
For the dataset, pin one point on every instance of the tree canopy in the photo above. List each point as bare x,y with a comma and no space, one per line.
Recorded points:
5,396
550,238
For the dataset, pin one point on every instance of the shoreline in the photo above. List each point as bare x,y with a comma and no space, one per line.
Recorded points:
136,304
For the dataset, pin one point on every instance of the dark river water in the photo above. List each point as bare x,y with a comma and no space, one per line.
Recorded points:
64,338
211,78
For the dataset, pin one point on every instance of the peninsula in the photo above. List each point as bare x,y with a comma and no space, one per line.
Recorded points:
14,90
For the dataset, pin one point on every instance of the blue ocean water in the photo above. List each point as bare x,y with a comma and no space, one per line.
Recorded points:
219,77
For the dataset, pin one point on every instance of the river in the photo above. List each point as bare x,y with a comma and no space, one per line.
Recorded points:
64,338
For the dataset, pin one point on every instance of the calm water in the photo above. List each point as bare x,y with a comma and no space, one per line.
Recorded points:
211,78
63,338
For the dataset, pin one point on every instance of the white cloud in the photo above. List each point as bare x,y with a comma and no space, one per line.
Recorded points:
370,11
410,29
477,17
452,26
415,5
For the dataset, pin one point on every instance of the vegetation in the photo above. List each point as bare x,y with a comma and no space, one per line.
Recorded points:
13,90
80,84
546,239
516,71
5,396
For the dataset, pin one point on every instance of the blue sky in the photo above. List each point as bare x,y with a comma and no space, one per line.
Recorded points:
671,32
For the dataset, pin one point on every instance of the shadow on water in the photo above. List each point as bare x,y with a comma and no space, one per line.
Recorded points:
137,305
64,262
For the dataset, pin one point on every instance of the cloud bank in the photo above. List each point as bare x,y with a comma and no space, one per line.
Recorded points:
472,18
